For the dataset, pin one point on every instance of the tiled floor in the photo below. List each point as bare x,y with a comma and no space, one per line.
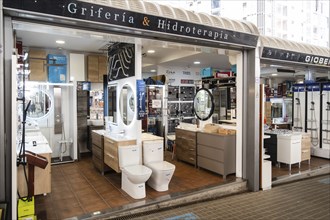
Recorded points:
78,188
283,170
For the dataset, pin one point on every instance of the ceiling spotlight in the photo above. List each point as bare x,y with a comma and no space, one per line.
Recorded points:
274,74
60,42
197,62
151,51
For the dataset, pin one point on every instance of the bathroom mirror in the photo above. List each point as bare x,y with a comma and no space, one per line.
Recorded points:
40,103
126,104
203,104
112,100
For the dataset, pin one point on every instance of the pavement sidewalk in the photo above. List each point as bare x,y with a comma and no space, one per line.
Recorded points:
303,199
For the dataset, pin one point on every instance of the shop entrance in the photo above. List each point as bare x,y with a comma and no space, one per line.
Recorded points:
295,118
85,94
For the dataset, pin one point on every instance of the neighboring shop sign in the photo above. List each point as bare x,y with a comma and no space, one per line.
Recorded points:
298,88
121,61
141,99
313,87
286,55
125,18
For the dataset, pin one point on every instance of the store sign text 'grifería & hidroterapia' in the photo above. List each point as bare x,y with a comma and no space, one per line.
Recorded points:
125,18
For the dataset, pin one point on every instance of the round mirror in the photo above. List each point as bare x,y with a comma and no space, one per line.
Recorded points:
126,104
40,103
203,104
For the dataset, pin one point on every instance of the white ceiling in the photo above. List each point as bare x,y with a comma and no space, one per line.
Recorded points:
166,53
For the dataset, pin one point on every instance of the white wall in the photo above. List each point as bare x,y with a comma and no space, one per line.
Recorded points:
176,73
77,66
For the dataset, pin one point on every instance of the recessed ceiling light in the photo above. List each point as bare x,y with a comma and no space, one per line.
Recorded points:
151,51
274,74
152,71
60,42
197,62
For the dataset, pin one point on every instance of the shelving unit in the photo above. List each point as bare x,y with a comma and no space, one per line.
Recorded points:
180,105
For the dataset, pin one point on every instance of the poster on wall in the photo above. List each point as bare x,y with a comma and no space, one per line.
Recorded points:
141,99
121,61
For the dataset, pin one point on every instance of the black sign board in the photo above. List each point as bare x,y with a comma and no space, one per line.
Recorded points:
125,18
286,55
121,57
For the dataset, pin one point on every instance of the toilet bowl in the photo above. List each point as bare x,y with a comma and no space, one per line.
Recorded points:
162,171
133,175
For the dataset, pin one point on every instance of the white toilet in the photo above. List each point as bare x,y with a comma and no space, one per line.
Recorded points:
162,171
133,175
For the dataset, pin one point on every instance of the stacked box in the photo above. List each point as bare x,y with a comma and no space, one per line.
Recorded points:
268,112
215,72
305,147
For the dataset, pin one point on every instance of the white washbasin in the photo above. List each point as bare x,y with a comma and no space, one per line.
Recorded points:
118,137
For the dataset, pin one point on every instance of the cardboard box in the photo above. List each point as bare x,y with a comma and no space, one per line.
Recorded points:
214,72
56,68
25,208
211,128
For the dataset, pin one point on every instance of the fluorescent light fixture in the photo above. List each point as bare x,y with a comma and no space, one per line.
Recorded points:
197,62
151,51
25,56
60,42
152,71
274,74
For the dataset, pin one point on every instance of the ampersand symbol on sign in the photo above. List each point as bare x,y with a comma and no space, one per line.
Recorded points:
145,21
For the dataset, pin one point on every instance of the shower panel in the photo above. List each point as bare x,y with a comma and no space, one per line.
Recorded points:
313,113
299,102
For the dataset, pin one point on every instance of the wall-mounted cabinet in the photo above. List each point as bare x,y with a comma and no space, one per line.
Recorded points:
37,64
96,68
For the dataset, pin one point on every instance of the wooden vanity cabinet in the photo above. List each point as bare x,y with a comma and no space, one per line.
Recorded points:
37,62
185,145
216,153
111,157
98,155
96,68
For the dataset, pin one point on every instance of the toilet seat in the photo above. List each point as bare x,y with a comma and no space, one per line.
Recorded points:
137,170
162,166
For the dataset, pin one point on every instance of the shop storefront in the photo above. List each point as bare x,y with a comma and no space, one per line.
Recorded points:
295,78
135,23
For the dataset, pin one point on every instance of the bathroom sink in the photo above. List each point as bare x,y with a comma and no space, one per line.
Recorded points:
29,133
118,137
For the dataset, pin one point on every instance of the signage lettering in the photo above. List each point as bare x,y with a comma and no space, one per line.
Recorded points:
99,13
87,11
285,55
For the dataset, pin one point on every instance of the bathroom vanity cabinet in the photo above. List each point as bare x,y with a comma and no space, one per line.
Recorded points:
289,149
98,149
111,144
216,152
185,149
